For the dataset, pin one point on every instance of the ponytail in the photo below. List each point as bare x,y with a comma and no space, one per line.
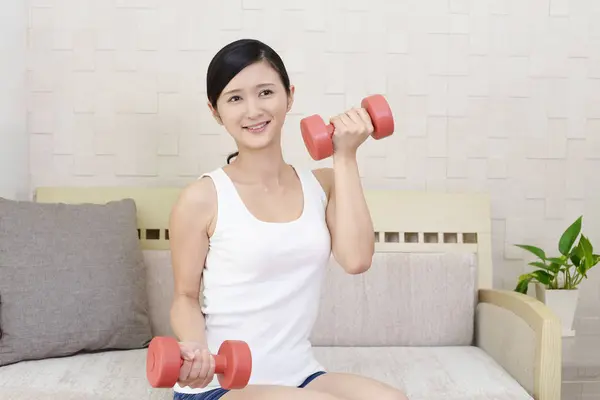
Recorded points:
232,155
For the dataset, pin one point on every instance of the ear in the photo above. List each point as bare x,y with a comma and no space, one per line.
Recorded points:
291,98
215,113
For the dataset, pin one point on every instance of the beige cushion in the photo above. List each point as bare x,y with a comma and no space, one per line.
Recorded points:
159,286
72,279
109,375
428,373
424,373
403,300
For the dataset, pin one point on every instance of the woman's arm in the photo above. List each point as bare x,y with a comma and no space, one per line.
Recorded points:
348,216
188,234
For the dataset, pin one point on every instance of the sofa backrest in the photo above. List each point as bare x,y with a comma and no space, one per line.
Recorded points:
405,299
433,251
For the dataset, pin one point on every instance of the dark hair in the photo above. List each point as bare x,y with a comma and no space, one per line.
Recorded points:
233,58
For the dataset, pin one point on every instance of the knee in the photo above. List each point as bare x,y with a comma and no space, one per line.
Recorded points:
393,394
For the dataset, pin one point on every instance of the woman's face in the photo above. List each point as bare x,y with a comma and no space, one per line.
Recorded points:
253,106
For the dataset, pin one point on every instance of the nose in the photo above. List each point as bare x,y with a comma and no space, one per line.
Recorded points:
253,109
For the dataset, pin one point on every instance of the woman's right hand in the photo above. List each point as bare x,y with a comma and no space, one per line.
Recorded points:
198,366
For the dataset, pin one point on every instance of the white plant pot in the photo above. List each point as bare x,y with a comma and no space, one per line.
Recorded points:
563,303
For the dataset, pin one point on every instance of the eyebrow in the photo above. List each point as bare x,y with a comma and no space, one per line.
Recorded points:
261,85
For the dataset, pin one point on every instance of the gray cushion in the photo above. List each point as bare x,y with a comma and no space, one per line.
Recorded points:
405,299
72,279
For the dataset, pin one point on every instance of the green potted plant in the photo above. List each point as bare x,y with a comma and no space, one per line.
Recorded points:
557,279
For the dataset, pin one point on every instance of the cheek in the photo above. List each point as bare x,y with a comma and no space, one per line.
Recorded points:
278,109
232,117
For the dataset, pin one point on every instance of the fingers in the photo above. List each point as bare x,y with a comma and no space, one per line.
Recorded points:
366,119
197,369
197,365
349,124
205,376
204,368
210,365
353,115
355,121
186,367
200,371
337,123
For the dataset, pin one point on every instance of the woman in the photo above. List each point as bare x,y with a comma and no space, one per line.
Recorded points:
258,234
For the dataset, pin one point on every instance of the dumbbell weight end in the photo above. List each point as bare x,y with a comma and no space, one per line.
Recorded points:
317,137
381,115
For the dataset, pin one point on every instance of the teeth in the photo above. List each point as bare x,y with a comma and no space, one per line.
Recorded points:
256,127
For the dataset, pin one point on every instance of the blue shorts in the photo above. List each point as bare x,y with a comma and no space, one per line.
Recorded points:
216,394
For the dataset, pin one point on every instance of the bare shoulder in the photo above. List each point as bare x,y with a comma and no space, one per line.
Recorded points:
325,178
196,202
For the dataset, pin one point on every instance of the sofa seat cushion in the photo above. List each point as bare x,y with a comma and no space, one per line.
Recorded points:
424,373
108,375
428,373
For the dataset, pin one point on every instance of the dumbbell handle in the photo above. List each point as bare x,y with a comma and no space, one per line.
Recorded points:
220,363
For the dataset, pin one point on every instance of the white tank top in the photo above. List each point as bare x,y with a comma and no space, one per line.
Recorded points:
262,283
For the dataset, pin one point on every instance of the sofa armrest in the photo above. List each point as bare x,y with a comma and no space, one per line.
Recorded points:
524,337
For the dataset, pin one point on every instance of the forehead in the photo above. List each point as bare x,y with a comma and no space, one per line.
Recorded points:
254,74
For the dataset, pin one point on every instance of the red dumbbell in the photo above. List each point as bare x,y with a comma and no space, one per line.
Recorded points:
318,137
233,364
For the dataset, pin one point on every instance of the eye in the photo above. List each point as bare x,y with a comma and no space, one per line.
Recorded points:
266,92
233,98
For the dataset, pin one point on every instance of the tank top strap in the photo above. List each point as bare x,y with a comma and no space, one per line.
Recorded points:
314,192
227,196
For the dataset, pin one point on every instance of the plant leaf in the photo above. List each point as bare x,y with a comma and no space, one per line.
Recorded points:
575,258
582,270
569,236
576,254
523,285
588,256
552,267
542,277
535,250
561,261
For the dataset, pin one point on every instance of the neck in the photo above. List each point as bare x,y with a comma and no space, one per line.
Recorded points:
264,166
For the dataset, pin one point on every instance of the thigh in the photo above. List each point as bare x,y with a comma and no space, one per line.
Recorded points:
354,387
258,392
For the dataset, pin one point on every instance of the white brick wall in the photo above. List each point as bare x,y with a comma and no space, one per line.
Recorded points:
501,96
14,179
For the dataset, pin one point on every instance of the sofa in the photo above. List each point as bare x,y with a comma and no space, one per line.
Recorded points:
425,317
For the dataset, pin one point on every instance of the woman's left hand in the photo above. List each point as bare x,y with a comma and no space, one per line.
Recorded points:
352,128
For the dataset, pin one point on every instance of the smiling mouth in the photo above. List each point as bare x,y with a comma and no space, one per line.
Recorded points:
257,128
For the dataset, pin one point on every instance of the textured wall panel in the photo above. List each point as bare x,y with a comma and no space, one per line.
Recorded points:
501,96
